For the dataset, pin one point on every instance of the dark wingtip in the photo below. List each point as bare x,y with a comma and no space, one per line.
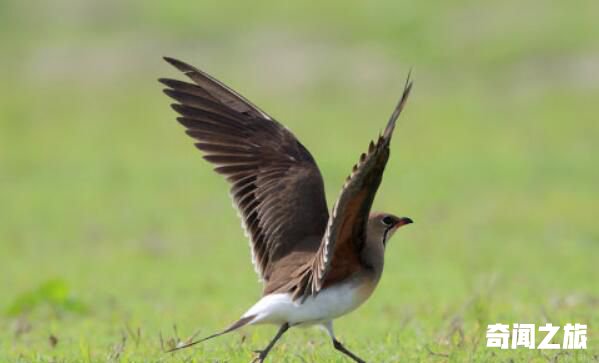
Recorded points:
169,92
169,60
182,66
165,81
400,105
409,82
178,108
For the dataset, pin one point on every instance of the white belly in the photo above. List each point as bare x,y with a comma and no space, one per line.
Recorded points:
329,304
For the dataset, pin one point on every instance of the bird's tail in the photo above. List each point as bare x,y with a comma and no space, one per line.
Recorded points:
236,325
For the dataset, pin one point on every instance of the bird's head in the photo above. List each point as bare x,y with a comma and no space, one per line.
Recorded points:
382,225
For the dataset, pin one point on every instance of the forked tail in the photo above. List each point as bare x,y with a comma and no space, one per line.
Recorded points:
236,325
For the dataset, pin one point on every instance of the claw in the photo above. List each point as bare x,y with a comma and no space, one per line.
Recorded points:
260,357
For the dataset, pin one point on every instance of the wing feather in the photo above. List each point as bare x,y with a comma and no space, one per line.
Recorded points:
276,185
345,234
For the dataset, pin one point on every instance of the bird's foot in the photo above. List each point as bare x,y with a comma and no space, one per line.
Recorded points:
261,356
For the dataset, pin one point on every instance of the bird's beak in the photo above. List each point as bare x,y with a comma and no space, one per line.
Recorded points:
403,221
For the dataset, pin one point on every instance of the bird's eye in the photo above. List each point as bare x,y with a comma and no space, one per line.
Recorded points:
388,221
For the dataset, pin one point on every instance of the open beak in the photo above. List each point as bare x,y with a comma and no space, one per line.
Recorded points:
403,221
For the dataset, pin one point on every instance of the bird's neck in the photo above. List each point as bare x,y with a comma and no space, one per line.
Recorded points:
373,258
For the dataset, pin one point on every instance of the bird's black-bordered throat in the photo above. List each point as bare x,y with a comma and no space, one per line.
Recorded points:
315,266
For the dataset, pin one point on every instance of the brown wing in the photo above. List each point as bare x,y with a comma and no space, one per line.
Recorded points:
345,234
276,184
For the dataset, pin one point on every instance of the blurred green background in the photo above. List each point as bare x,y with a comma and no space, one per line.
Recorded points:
112,228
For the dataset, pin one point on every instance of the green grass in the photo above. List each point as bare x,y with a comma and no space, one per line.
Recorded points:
112,227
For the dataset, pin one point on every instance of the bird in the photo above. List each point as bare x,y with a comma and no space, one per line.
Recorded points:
315,266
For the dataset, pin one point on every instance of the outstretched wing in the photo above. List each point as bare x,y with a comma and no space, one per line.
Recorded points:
338,256
276,185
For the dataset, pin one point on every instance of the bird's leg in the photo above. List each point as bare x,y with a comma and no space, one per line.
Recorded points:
345,351
328,326
264,352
